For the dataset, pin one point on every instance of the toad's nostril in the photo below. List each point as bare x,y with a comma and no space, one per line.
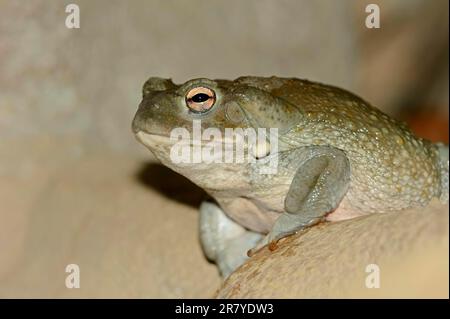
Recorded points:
136,125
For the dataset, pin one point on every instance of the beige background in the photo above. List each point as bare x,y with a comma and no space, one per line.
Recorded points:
75,187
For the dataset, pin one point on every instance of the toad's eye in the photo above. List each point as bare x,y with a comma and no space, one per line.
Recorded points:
200,99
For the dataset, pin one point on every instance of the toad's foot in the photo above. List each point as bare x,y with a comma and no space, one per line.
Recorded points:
224,241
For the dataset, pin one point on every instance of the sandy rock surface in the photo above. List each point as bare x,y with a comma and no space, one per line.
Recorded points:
410,249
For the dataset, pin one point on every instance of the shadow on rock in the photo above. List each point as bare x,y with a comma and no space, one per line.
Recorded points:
170,184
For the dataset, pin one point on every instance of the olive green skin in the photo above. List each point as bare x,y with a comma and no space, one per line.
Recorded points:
391,168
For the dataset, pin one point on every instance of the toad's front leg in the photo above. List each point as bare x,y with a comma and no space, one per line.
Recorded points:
318,186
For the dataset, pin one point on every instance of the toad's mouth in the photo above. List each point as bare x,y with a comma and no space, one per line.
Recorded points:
159,141
155,139
150,139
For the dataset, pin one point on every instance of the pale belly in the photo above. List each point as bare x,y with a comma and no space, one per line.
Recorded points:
260,215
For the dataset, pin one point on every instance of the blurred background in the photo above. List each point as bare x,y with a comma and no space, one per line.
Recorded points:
75,187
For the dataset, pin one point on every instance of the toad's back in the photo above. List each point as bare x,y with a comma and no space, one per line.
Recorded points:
391,168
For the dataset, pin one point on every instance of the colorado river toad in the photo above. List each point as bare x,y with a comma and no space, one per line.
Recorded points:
338,158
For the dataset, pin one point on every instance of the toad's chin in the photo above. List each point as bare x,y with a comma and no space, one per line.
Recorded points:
151,140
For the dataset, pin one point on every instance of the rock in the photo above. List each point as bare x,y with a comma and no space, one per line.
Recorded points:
329,261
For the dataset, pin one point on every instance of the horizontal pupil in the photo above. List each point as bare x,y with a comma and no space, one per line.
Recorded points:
201,97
